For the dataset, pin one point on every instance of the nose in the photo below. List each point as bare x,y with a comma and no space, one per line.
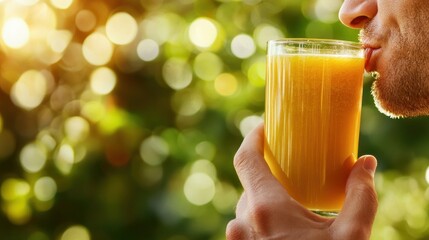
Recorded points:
356,13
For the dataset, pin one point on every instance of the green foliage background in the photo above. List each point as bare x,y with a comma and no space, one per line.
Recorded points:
157,163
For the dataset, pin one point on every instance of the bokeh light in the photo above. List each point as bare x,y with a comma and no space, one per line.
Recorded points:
65,158
148,50
45,189
74,59
85,20
177,73
265,32
154,150
203,32
26,2
59,40
249,123
33,158
94,111
226,84
103,80
204,166
30,89
206,149
199,188
121,28
327,10
256,73
187,103
47,140
207,66
226,198
12,189
97,49
76,232
15,33
15,193
76,129
160,28
243,46
61,4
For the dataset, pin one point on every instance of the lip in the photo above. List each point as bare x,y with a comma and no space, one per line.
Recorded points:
371,56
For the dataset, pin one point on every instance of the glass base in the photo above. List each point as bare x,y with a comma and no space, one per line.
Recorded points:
326,213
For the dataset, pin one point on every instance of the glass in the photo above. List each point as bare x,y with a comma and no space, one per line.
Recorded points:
312,118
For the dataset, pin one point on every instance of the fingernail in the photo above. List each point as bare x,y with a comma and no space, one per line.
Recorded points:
370,164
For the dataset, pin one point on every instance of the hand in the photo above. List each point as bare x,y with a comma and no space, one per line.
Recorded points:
266,211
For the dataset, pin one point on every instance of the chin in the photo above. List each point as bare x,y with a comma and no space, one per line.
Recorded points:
394,105
386,111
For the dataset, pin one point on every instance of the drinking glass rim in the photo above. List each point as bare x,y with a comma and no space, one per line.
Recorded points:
326,41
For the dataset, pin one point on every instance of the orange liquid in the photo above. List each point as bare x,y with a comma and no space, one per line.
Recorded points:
312,119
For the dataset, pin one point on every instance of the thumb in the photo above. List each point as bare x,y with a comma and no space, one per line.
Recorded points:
361,204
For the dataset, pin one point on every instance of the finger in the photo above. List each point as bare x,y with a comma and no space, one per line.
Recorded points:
361,203
241,209
237,230
252,170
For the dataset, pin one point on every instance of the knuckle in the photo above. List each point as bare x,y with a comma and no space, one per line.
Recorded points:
240,159
260,216
235,231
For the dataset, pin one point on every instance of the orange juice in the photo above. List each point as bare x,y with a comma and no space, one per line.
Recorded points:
312,119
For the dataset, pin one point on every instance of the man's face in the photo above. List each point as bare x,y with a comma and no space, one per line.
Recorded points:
396,40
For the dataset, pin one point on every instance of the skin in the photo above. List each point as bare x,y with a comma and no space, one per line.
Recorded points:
266,210
395,29
396,41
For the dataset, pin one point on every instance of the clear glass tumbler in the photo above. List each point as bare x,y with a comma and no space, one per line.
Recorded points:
312,118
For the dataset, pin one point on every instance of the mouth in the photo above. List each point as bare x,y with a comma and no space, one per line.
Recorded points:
371,56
